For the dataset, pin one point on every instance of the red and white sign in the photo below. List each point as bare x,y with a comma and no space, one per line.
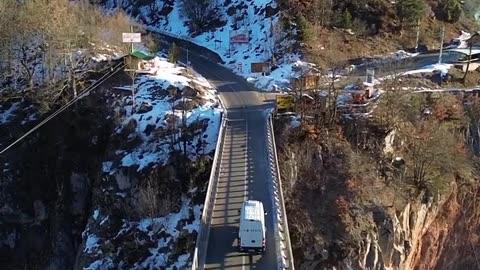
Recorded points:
238,37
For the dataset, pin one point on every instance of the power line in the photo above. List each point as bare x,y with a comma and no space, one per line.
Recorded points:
102,79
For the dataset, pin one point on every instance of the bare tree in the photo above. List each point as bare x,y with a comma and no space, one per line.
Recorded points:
322,12
200,13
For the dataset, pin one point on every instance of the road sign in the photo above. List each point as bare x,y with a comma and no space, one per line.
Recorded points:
131,37
370,75
285,102
260,67
238,37
307,82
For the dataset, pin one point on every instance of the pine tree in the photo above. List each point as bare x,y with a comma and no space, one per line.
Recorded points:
411,11
173,53
452,9
346,19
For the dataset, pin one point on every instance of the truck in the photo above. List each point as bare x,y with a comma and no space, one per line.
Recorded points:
252,230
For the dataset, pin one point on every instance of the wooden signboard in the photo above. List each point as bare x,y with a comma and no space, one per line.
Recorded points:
307,82
285,102
260,67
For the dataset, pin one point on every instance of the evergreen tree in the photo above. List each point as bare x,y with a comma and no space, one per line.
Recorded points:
452,9
411,11
304,28
173,53
346,19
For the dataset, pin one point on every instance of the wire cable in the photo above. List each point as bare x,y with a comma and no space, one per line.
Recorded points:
93,86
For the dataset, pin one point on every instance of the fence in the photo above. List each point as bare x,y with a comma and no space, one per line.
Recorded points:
282,235
201,245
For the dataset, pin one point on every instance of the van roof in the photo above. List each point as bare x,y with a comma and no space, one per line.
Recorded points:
253,210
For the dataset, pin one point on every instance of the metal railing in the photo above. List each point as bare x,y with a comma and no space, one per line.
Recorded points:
282,235
201,245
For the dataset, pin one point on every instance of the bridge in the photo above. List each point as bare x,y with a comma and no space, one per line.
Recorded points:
245,167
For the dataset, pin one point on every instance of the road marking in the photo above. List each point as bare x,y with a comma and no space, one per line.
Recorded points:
243,262
246,162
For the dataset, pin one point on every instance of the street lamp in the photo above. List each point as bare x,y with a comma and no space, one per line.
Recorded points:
470,41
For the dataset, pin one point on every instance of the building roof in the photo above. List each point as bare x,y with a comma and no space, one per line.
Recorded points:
142,55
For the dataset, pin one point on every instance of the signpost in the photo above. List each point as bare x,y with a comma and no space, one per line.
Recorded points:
132,38
262,67
307,82
285,102
370,76
238,37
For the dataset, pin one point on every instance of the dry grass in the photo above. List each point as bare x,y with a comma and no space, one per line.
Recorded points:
330,46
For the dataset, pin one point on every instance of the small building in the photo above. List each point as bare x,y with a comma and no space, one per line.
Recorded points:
140,61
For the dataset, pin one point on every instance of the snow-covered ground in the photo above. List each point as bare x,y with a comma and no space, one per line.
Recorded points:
279,79
155,106
442,68
244,17
161,96
163,232
459,42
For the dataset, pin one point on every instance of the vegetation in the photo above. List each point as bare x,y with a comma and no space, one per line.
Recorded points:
202,14
341,166
47,46
173,53
374,16
411,11
451,10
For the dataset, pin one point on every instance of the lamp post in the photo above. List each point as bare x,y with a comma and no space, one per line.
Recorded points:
470,45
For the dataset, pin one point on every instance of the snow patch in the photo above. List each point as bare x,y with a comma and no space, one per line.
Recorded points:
91,244
7,115
460,42
95,214
443,68
105,263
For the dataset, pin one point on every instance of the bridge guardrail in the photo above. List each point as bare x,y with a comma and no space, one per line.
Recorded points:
282,235
201,245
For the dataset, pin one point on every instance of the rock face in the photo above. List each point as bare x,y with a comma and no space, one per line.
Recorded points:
364,217
47,187
425,235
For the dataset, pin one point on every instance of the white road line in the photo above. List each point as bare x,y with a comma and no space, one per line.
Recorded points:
246,161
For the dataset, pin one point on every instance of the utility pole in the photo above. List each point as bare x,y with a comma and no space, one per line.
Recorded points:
441,45
133,75
132,38
418,36
131,43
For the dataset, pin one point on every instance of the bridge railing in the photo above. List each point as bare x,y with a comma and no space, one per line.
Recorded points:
201,245
282,235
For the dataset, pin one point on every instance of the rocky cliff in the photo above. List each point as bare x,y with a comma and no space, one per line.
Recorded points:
356,214
428,235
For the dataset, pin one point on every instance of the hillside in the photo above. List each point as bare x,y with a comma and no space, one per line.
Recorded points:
114,182
86,186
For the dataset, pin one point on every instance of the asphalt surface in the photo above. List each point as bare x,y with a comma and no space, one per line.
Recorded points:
405,64
244,166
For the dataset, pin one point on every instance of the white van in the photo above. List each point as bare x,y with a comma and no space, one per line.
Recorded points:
252,231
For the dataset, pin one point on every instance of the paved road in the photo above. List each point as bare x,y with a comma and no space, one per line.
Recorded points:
406,64
244,167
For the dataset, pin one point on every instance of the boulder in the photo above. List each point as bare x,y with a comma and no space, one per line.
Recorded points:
145,107
189,92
